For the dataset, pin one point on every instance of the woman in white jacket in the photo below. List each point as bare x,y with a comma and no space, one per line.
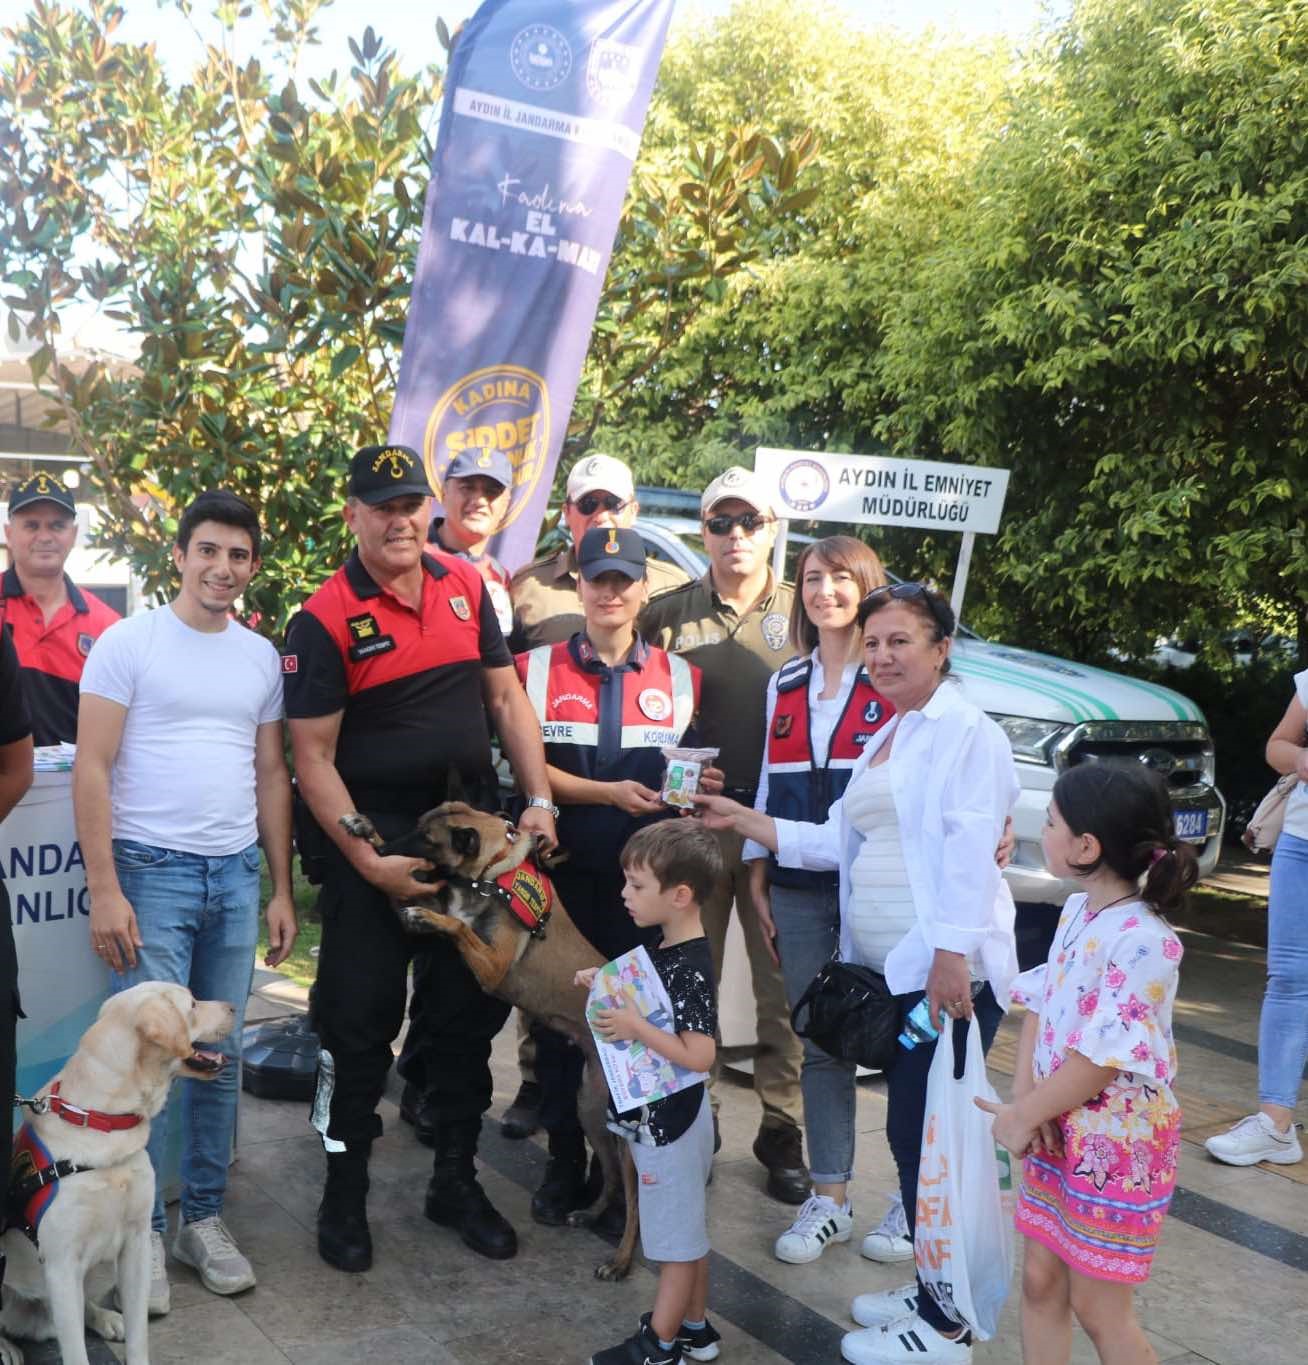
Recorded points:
921,897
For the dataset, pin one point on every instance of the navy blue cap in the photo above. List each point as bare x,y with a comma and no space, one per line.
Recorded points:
611,549
488,464
41,486
379,473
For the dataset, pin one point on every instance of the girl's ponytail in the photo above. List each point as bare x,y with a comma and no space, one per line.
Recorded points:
1173,870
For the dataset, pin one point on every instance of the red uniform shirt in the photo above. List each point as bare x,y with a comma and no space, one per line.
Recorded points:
52,653
409,682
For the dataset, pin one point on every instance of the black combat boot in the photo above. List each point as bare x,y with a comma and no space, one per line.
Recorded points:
456,1200
343,1237
565,1186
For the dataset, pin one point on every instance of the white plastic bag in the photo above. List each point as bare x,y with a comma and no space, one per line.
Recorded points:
963,1241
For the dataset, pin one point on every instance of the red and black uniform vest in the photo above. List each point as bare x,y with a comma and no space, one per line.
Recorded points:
409,682
799,788
608,725
52,654
496,575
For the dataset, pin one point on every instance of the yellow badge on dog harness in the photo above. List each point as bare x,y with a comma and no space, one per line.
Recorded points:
530,894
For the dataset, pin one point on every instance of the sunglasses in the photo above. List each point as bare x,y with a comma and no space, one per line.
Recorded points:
749,522
910,592
590,503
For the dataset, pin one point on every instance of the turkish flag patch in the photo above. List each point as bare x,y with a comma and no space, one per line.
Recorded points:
290,663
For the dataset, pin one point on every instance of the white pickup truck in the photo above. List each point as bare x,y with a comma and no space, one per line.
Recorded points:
1056,714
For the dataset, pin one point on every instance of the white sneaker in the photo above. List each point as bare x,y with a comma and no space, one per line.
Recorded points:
889,1241
910,1339
820,1221
876,1310
207,1246
1254,1139
160,1300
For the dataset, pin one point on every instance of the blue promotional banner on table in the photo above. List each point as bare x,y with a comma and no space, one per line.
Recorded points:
541,121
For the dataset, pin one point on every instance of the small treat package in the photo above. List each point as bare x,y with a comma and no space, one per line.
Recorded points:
681,776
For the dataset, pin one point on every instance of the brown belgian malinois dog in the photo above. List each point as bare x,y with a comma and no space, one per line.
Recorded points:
526,956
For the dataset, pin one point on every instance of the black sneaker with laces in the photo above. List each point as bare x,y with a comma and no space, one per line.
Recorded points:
641,1349
699,1344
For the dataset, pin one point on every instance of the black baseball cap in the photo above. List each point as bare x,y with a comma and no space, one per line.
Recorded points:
41,486
379,473
611,549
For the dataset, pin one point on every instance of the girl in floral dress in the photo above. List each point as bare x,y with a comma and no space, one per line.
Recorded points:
1093,1112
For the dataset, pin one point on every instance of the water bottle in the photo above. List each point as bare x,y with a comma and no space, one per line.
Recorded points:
918,1027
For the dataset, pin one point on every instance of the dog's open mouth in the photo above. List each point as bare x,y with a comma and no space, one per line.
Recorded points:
204,1063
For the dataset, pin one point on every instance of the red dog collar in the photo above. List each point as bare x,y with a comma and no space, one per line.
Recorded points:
90,1118
529,893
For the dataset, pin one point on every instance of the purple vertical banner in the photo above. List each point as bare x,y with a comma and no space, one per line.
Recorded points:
541,121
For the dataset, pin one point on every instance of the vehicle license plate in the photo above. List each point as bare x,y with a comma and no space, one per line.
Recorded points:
1192,825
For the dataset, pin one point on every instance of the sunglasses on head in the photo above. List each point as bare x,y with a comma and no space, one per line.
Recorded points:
590,503
902,592
749,522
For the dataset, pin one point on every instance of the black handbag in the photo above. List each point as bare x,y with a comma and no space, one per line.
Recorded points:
849,1012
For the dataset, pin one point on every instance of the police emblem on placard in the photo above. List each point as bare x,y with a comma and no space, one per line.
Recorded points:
783,727
363,627
872,713
773,627
84,643
612,70
655,704
459,606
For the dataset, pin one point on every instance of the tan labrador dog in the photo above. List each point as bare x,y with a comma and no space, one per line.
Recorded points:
532,970
95,1231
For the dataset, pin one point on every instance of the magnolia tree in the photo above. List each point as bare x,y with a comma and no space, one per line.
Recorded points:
257,232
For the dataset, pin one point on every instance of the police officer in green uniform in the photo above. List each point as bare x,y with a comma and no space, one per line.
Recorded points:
732,624
546,610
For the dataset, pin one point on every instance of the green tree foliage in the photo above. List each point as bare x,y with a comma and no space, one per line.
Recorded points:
258,233
1113,311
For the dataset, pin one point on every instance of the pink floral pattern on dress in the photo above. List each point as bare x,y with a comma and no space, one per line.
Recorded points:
1107,995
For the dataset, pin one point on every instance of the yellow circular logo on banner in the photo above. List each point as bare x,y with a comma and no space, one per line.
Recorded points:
499,407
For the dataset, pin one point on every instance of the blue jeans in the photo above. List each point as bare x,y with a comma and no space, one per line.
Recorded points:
808,933
199,922
1283,1026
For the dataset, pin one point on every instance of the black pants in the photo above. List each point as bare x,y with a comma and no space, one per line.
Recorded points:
906,1087
9,1011
358,1004
593,897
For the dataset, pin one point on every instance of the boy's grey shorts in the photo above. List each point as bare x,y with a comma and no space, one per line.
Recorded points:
672,1182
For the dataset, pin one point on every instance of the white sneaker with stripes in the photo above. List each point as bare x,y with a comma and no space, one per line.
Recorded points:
876,1310
908,1340
820,1221
889,1241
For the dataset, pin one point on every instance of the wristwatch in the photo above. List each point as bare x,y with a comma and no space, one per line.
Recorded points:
543,803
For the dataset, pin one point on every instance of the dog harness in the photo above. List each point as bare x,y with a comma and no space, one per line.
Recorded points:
525,891
34,1177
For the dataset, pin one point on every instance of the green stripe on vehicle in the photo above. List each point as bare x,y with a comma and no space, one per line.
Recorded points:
1020,676
997,673
1187,711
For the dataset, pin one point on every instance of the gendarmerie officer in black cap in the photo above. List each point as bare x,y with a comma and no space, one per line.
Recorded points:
53,622
396,674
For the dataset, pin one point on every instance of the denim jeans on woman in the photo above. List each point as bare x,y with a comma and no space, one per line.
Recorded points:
1283,1027
199,924
808,933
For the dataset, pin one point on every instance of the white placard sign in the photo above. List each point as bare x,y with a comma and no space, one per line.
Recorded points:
882,491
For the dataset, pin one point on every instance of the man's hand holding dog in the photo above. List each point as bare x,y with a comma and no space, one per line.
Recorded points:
394,875
115,935
539,822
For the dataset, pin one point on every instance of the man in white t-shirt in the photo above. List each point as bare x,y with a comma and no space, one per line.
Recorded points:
180,774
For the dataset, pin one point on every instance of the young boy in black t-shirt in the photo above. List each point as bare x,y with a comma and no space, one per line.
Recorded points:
671,868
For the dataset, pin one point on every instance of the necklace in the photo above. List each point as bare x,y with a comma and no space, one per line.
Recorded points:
1083,920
